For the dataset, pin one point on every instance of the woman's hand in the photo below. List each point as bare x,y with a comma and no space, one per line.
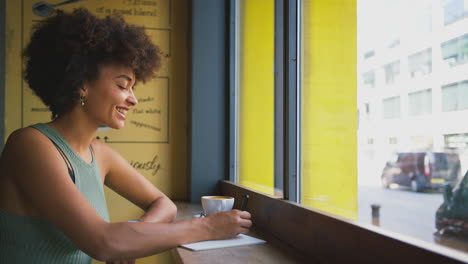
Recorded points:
228,224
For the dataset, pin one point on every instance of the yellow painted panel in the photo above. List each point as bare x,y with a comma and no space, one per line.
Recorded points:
329,115
155,132
256,95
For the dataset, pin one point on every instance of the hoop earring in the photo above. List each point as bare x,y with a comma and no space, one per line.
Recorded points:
82,100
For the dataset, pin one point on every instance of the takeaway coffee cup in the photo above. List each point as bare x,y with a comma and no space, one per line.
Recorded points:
213,204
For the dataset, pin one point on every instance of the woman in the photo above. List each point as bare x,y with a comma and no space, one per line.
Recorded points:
52,206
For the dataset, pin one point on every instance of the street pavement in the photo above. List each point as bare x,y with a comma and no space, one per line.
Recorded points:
405,212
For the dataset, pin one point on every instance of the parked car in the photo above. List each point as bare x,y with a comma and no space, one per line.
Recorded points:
452,215
421,170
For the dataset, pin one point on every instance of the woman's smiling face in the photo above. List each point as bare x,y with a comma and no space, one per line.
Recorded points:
110,97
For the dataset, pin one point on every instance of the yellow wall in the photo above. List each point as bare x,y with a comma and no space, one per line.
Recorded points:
256,95
155,134
329,111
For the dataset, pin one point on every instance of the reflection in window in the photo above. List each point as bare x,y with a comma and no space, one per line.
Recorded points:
455,51
420,103
455,97
420,63
392,70
391,107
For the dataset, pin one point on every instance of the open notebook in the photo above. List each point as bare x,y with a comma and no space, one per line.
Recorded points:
240,240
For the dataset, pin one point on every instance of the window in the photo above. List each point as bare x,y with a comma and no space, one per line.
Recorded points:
420,103
455,97
454,10
420,63
328,120
367,108
368,78
337,160
414,119
255,130
455,51
391,108
369,54
392,70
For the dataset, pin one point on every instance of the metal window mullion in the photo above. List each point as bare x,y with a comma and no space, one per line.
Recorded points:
2,70
291,102
279,84
233,89
298,97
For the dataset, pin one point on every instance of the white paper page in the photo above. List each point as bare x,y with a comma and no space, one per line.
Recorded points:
240,240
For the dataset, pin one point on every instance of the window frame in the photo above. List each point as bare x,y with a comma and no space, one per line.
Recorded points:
2,70
286,96
287,147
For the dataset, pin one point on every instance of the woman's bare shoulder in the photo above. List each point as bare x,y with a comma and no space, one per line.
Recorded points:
26,143
23,137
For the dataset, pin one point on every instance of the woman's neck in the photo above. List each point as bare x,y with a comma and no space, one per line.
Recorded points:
78,132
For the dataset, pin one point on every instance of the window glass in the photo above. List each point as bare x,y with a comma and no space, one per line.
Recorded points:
420,63
455,96
463,95
255,132
369,79
422,120
392,70
454,10
420,103
391,107
328,165
455,51
449,97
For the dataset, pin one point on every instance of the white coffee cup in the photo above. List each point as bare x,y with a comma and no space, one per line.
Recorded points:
214,204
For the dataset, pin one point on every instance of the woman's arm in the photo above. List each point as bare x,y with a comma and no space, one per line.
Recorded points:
161,210
158,237
125,180
41,175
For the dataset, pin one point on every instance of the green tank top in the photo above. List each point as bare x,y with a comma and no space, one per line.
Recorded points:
36,240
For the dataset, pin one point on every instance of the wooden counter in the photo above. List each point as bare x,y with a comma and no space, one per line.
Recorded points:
271,252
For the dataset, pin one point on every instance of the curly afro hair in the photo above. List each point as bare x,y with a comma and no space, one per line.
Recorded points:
67,49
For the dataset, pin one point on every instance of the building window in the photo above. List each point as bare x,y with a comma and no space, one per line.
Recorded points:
391,107
368,78
420,63
420,103
455,97
392,140
369,54
455,51
392,71
454,10
456,141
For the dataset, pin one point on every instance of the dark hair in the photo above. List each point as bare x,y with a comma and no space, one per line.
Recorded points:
67,49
